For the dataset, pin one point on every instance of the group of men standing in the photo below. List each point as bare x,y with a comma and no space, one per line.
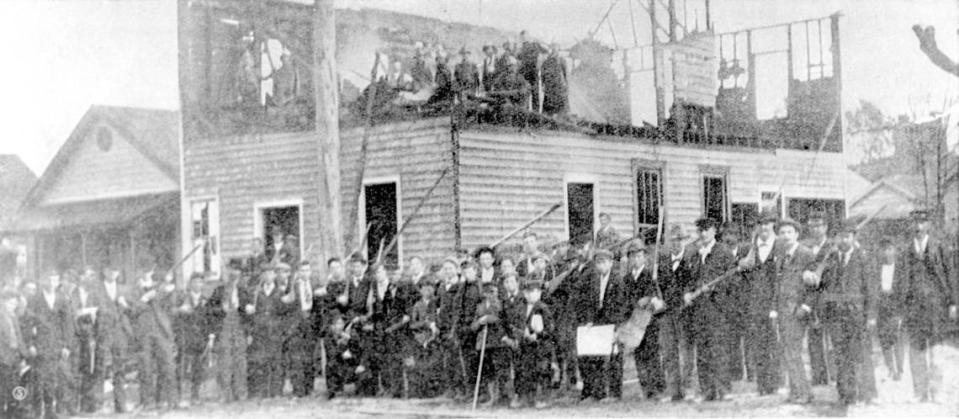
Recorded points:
527,75
501,326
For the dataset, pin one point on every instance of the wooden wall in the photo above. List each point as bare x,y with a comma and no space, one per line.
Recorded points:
416,153
507,177
241,172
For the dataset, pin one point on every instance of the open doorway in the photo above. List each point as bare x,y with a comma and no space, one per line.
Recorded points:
580,212
382,216
280,218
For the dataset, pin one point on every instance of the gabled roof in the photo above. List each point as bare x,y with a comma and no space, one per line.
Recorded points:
16,179
153,132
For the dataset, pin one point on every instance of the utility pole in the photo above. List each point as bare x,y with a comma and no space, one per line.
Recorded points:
326,100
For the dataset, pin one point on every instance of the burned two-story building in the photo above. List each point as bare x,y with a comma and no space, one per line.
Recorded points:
713,144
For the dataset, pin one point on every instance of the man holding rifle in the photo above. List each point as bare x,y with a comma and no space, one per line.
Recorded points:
706,312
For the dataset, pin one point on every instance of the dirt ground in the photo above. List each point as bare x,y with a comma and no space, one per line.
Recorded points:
895,400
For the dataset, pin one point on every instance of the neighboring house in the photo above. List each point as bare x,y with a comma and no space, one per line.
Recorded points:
16,179
110,196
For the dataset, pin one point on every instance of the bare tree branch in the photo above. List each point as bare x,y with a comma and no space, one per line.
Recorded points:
928,45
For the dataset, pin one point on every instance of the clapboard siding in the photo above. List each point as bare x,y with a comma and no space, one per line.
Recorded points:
417,153
508,177
120,171
243,171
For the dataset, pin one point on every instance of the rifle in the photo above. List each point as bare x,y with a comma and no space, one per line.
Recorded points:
183,259
526,225
416,210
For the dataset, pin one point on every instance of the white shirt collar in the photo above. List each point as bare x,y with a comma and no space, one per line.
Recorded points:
920,245
50,297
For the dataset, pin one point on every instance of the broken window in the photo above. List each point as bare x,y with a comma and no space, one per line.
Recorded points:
714,197
204,220
649,194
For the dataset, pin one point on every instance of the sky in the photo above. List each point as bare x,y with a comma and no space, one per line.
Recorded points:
63,56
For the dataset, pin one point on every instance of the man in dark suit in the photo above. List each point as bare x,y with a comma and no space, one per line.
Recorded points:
192,330
601,300
795,264
644,292
532,329
760,288
929,303
448,292
113,332
740,354
154,342
265,355
300,336
48,332
846,301
90,384
889,310
707,312
819,359
12,348
677,350
230,306
467,75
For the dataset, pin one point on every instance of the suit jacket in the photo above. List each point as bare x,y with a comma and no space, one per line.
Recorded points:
268,322
640,286
927,288
191,328
448,299
12,347
467,77
152,318
761,284
217,312
113,326
791,293
849,284
49,329
717,262
614,307
673,282
542,346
